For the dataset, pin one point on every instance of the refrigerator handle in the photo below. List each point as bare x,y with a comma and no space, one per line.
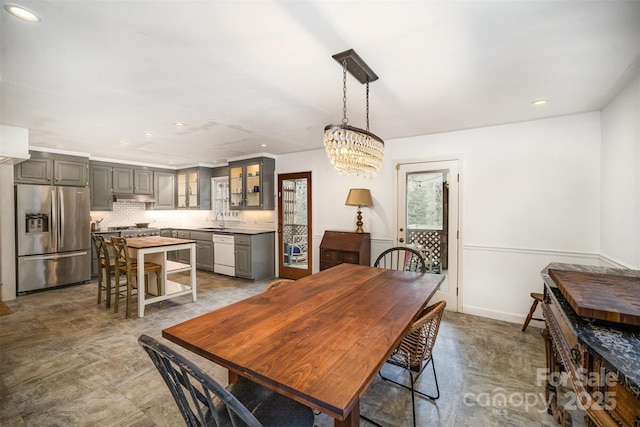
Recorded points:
54,219
61,220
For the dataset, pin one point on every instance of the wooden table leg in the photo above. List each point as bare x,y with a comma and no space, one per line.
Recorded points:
352,420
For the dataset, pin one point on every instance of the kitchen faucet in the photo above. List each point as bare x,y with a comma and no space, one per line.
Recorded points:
216,218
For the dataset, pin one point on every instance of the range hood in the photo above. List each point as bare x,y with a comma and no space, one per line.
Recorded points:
140,198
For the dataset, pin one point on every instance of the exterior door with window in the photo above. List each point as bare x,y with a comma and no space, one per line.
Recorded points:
294,225
428,219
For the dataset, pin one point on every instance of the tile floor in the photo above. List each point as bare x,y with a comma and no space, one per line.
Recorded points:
67,361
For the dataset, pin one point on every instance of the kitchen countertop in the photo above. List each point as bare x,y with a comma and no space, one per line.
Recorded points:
224,231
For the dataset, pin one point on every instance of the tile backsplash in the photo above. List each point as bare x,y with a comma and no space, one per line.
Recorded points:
128,213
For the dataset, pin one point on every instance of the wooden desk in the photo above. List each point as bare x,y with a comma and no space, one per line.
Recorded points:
320,340
154,249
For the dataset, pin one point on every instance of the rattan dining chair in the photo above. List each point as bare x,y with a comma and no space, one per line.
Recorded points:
415,351
277,283
105,267
204,402
129,267
401,258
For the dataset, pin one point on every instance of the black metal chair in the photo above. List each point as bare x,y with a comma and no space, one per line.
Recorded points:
204,402
401,258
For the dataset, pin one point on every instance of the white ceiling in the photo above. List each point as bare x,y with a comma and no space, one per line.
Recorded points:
244,73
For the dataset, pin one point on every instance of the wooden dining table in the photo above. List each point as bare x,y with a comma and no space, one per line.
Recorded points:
320,340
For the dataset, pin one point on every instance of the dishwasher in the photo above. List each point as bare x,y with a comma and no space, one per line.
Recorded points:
224,254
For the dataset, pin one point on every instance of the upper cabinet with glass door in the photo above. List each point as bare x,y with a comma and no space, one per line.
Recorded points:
194,188
251,184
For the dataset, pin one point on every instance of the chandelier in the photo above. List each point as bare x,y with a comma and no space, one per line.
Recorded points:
353,151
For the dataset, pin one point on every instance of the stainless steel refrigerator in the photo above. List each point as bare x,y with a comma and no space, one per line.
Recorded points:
53,238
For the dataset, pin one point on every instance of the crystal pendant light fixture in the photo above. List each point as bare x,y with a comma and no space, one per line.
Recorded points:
353,151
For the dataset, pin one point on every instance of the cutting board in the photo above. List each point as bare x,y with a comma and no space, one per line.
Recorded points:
601,296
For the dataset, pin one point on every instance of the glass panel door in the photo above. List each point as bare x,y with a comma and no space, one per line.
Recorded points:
182,190
253,186
428,220
193,190
294,225
235,187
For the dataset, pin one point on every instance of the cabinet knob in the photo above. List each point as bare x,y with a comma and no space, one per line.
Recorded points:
401,239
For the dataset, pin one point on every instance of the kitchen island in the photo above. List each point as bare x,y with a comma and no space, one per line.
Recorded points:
154,249
592,330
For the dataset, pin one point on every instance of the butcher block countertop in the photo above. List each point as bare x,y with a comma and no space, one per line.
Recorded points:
155,241
608,297
618,344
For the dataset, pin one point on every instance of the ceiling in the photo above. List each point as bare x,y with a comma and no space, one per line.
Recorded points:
239,74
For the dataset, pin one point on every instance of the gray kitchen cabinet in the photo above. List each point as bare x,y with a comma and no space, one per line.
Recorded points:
251,184
255,255
128,180
183,255
204,255
143,181
34,171
193,188
122,180
171,255
53,169
204,249
100,185
71,172
164,190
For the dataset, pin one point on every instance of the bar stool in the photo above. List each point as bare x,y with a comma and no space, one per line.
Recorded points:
105,267
536,299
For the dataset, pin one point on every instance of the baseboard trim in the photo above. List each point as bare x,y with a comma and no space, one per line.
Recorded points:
501,315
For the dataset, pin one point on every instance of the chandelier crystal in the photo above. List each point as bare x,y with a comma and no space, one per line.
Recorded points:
351,150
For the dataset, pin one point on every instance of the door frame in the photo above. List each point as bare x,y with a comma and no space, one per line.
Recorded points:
290,272
435,159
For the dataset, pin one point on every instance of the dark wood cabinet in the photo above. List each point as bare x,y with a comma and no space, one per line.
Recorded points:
339,247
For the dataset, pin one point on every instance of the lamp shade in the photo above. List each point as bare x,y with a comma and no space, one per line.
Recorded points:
359,197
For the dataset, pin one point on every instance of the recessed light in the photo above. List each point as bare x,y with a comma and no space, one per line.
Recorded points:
122,141
263,145
148,134
22,13
539,102
179,124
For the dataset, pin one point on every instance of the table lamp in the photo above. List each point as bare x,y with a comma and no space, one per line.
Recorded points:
359,197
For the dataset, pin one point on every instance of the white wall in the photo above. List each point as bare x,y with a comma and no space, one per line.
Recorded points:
620,209
530,195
